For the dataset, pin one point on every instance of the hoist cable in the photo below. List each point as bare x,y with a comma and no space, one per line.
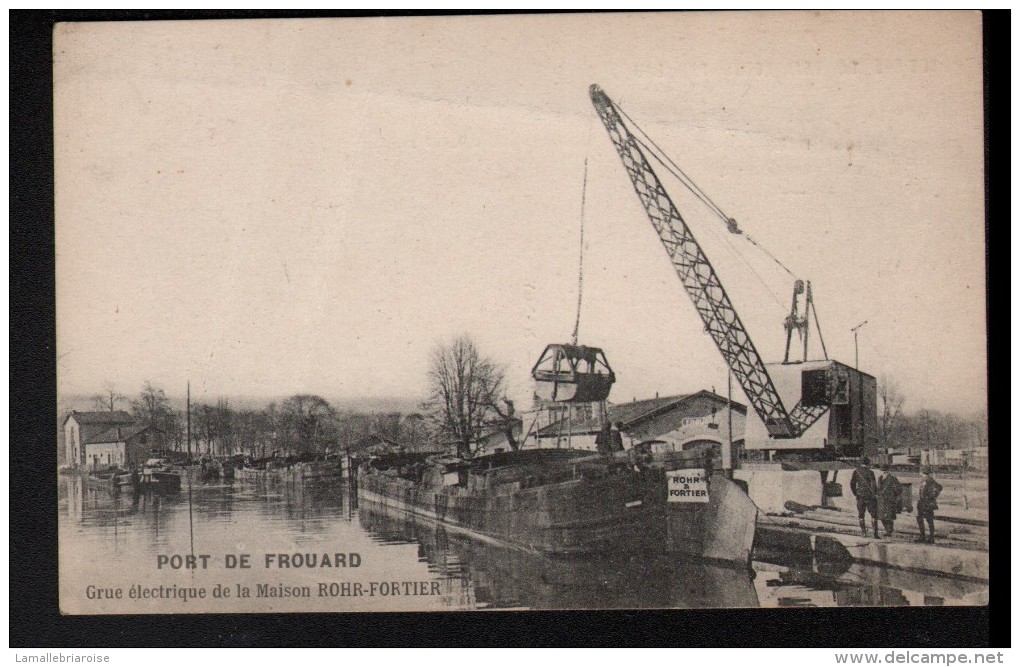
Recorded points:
580,259
818,327
774,258
670,166
741,260
687,181
731,224
709,230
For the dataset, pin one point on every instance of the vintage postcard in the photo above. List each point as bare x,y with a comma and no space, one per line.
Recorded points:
603,311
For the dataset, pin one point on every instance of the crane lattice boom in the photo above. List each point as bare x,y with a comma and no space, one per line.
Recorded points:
702,283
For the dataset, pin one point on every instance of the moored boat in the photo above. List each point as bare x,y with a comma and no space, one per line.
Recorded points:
127,480
288,471
105,480
159,475
326,470
554,501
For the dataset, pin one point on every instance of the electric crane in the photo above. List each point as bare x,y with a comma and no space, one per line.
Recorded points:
824,386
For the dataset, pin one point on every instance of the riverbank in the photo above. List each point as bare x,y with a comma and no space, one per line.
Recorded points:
960,549
793,520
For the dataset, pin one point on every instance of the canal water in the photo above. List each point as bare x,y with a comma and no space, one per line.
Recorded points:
368,558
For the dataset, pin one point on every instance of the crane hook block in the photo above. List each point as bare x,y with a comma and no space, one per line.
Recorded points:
731,224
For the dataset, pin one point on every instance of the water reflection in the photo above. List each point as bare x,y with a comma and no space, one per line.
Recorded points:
508,578
114,538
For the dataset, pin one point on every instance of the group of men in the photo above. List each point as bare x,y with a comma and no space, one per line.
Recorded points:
881,497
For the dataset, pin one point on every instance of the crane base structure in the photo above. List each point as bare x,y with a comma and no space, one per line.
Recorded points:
847,429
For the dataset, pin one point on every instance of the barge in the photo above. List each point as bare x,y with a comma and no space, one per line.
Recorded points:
272,472
154,475
550,501
159,475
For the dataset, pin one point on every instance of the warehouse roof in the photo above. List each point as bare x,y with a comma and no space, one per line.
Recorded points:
118,433
104,417
629,414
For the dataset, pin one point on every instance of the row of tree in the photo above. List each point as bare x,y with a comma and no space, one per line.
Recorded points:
466,401
303,424
925,429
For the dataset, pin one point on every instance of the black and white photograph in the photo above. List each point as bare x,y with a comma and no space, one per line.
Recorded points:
619,311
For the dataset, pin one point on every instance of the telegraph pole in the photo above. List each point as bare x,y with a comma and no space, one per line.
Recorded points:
728,453
855,330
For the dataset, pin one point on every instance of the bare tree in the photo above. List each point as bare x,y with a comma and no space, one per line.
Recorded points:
108,399
308,425
415,432
464,387
926,427
225,427
892,408
980,426
952,431
250,428
503,414
388,425
174,430
204,423
352,427
152,407
505,419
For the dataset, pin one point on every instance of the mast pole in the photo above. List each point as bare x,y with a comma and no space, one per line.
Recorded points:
188,412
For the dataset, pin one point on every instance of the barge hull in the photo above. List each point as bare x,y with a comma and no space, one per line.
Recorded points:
621,512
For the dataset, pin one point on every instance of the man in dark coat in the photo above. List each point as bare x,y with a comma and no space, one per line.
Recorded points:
609,441
927,494
889,490
864,486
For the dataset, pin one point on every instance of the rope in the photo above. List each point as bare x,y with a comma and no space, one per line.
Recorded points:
531,428
774,258
818,327
672,168
679,173
739,258
580,259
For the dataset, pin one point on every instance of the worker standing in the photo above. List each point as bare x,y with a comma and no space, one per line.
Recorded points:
889,490
865,488
927,495
608,441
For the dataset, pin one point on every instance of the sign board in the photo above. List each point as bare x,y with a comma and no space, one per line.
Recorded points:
689,485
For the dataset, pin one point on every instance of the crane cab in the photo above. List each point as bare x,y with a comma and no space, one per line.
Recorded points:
845,398
573,374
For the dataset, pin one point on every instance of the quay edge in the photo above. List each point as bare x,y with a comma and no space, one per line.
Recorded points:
945,561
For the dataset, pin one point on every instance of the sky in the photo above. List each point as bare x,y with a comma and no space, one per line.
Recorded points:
283,206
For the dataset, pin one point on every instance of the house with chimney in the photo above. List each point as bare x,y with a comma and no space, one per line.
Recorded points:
100,440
